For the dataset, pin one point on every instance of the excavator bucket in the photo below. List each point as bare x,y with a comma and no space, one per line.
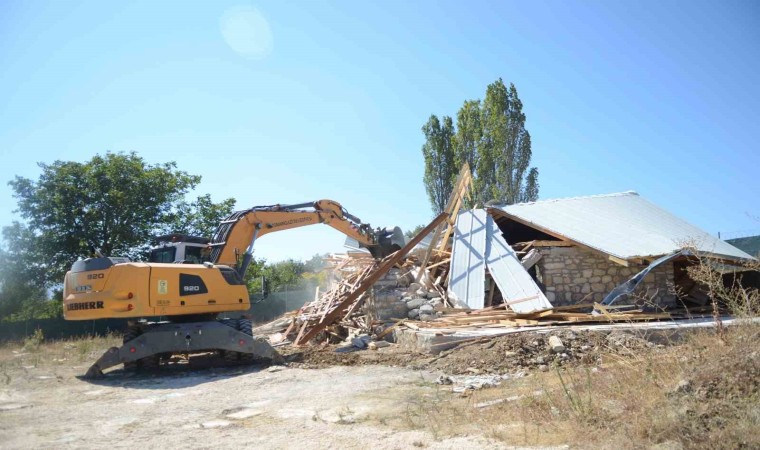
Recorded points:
389,241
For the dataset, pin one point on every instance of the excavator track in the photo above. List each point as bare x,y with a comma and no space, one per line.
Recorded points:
232,337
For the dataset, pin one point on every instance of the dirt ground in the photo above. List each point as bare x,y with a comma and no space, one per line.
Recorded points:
43,404
505,354
499,393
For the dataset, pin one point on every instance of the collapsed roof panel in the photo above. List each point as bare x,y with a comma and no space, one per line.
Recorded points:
622,225
517,287
479,244
467,270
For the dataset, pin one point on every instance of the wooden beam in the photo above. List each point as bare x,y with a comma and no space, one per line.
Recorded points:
499,212
620,261
461,188
367,282
552,244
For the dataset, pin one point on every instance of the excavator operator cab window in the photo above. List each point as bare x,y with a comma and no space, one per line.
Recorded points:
163,255
193,254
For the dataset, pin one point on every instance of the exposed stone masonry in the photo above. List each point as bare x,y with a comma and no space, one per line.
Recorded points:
573,274
570,275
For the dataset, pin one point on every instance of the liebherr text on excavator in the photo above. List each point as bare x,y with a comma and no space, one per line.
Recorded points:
189,281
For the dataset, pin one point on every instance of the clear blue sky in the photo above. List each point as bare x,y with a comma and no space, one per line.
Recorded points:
279,102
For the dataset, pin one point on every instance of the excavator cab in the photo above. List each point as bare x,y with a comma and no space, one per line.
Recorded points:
180,248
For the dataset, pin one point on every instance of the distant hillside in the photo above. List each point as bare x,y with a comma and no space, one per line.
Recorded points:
749,244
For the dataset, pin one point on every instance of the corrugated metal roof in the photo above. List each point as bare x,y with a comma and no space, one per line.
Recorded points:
622,225
467,274
520,292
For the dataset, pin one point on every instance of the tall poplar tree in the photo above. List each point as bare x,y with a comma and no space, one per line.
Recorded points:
440,167
491,136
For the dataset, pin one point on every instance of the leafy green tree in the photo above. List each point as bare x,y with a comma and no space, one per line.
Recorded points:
279,276
440,167
284,274
22,287
316,263
254,276
469,135
314,271
198,218
491,137
410,234
113,203
512,144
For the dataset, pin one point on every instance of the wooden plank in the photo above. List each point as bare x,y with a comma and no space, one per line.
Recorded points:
526,299
461,187
373,277
617,260
443,261
386,331
552,244
290,328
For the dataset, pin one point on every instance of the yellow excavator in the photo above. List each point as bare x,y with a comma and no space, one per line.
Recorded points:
190,281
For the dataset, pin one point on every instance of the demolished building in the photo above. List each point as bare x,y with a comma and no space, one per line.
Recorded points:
577,250
502,269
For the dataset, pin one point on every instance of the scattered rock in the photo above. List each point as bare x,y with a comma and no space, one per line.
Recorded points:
556,344
543,368
415,303
216,424
414,313
443,379
426,309
244,414
683,387
379,344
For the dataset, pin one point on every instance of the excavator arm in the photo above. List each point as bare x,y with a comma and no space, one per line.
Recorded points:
237,234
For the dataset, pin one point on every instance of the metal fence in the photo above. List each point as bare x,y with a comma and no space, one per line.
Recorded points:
59,328
278,303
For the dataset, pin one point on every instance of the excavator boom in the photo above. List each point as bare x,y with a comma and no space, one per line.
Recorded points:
236,234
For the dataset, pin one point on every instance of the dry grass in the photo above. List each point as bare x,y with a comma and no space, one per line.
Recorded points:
701,393
17,358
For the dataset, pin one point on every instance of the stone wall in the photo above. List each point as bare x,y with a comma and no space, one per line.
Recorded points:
574,275
395,296
385,301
